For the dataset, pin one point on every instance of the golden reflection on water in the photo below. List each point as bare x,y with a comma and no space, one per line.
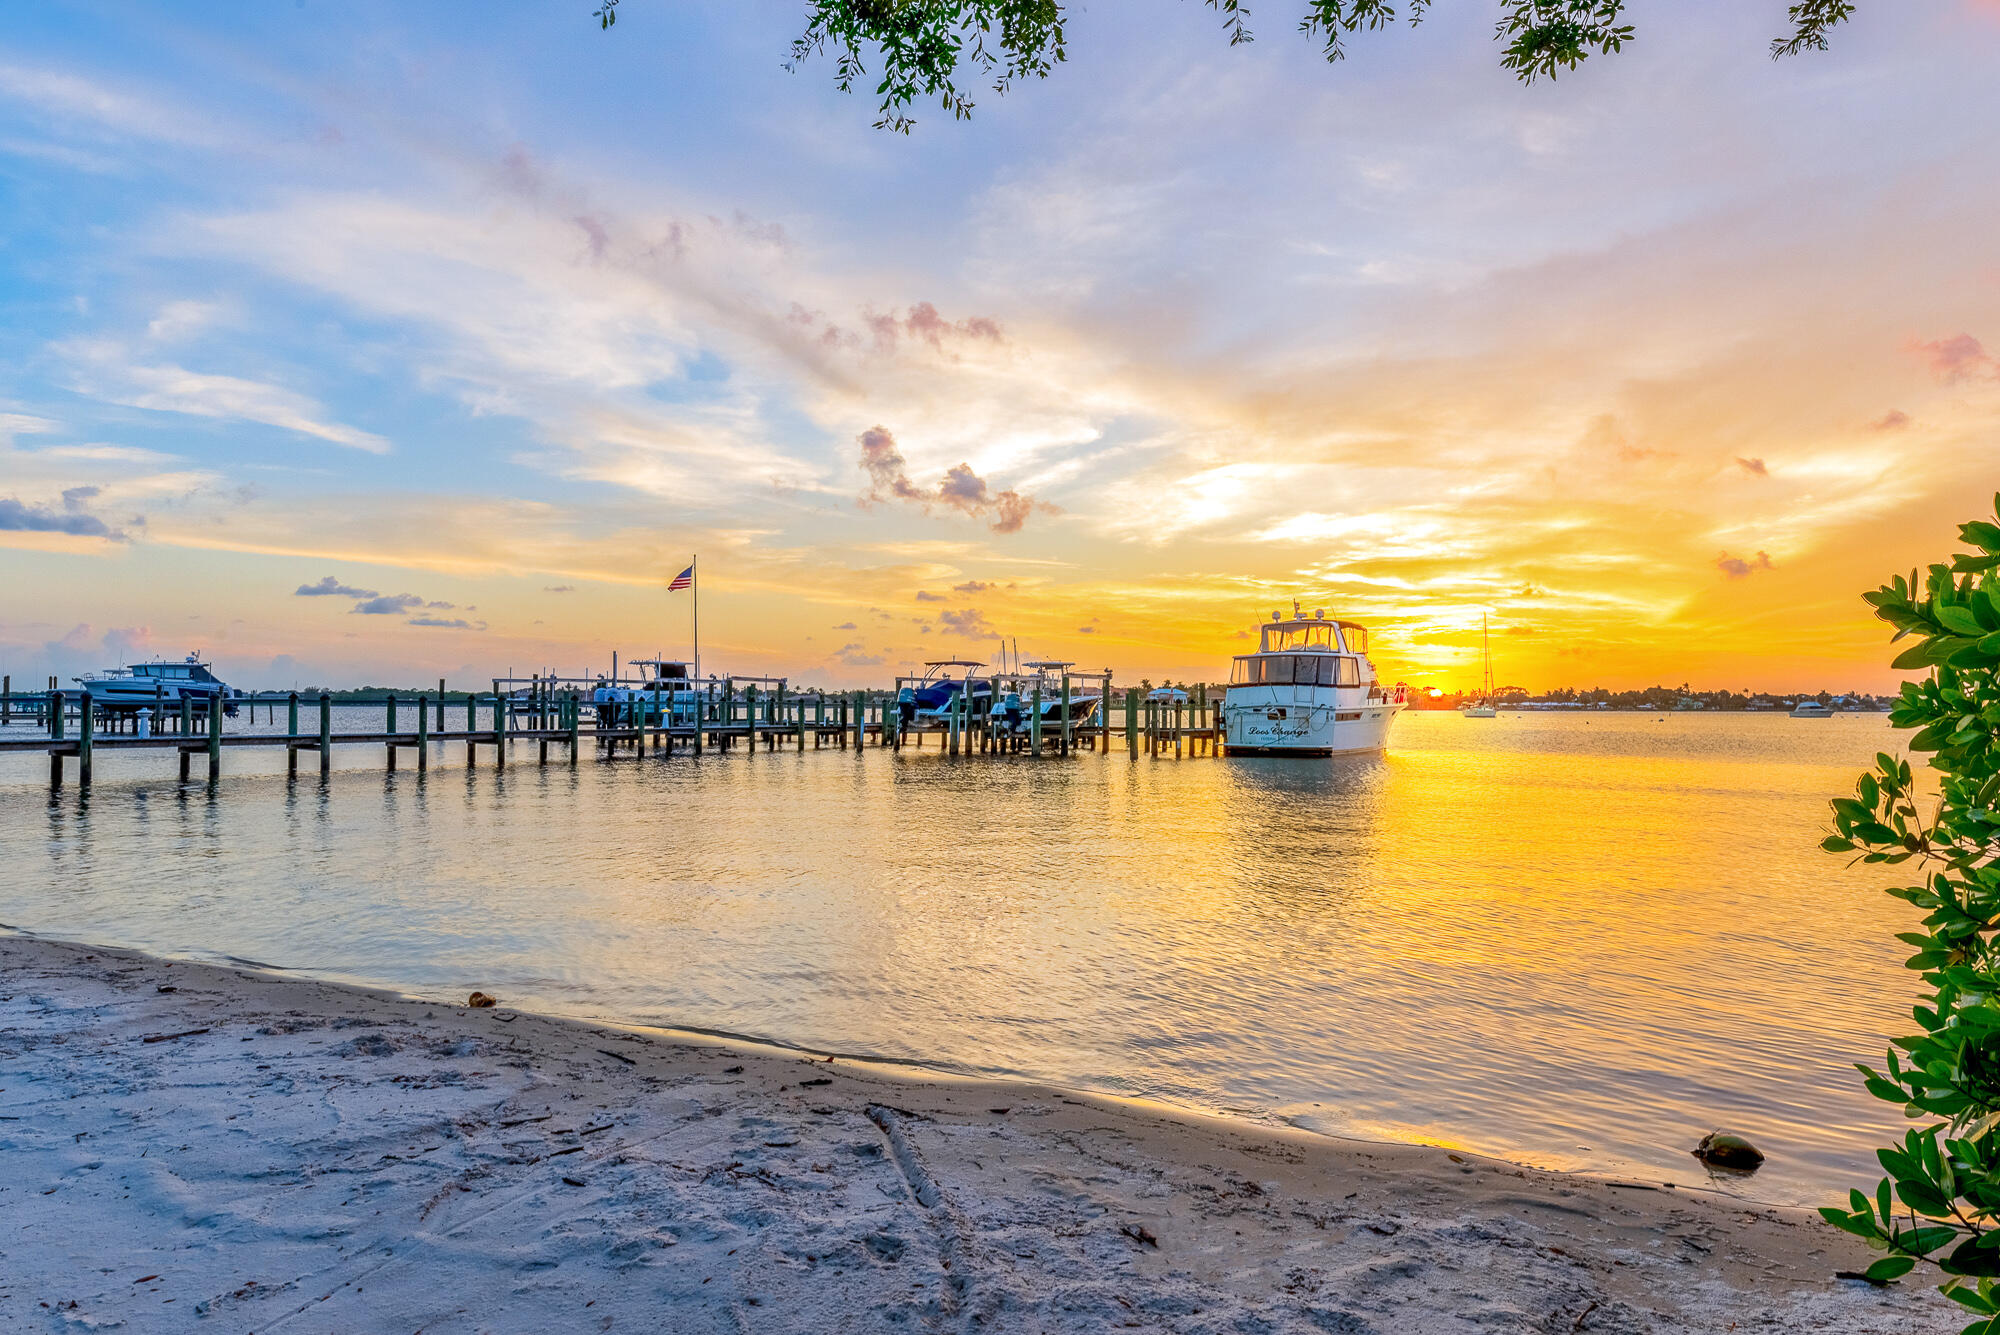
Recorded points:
1581,941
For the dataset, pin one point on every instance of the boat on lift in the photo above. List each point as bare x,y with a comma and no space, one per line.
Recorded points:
666,685
1015,713
160,684
1308,690
931,697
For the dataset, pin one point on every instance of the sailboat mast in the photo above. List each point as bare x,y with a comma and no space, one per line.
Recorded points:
1486,651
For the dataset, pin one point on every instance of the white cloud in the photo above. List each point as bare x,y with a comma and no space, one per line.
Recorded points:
106,371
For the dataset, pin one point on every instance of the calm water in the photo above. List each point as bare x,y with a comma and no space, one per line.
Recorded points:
1576,941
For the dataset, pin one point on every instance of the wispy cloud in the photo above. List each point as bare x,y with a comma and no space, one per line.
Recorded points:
960,489
1736,567
105,370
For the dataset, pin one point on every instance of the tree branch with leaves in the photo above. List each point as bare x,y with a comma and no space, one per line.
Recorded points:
1938,1202
943,49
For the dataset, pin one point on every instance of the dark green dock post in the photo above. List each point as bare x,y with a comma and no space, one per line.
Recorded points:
440,704
1068,734
292,736
55,735
214,737
423,735
86,734
187,715
575,725
499,730
1132,721
1035,721
389,728
750,715
325,734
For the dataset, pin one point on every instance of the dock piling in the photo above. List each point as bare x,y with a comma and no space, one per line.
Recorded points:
86,733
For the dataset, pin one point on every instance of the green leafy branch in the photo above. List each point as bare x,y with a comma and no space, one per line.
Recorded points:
937,49
1938,1202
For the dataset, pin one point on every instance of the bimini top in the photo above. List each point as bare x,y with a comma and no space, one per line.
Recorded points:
954,662
1317,634
1043,664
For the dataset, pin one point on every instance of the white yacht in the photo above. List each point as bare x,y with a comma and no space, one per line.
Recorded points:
1309,690
159,684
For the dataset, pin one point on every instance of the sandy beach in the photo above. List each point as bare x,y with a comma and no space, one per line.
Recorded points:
232,1149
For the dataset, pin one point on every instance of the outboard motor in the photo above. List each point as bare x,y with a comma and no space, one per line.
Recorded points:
1011,711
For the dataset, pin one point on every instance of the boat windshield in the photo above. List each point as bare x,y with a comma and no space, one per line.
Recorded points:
1299,669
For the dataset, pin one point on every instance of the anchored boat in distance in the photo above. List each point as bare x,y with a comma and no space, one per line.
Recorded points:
159,684
1309,690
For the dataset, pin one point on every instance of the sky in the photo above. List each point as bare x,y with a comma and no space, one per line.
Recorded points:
375,343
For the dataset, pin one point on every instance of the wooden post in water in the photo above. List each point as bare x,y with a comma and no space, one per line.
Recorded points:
292,735
750,715
389,727
440,704
1035,722
423,735
215,737
575,725
86,734
187,715
499,730
55,708
1066,734
325,734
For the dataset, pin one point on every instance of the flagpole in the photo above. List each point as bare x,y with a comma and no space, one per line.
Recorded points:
694,587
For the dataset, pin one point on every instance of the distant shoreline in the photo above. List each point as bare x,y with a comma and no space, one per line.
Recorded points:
224,1141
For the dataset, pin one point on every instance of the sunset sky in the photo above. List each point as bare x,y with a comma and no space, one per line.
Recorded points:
367,342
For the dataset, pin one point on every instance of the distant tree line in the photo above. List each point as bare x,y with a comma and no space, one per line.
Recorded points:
1659,698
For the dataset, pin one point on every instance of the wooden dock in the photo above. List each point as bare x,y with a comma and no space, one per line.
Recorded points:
71,726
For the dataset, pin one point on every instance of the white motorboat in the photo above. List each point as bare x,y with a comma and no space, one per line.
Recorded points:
1015,712
666,686
160,685
1811,709
1309,690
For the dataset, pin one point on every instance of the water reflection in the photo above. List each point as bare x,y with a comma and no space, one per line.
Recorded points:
1579,941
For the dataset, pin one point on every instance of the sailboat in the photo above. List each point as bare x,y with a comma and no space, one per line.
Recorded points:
1482,706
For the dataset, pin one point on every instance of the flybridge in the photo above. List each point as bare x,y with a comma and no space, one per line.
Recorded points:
1316,634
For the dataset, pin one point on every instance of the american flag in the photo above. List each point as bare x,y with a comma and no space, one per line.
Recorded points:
684,580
